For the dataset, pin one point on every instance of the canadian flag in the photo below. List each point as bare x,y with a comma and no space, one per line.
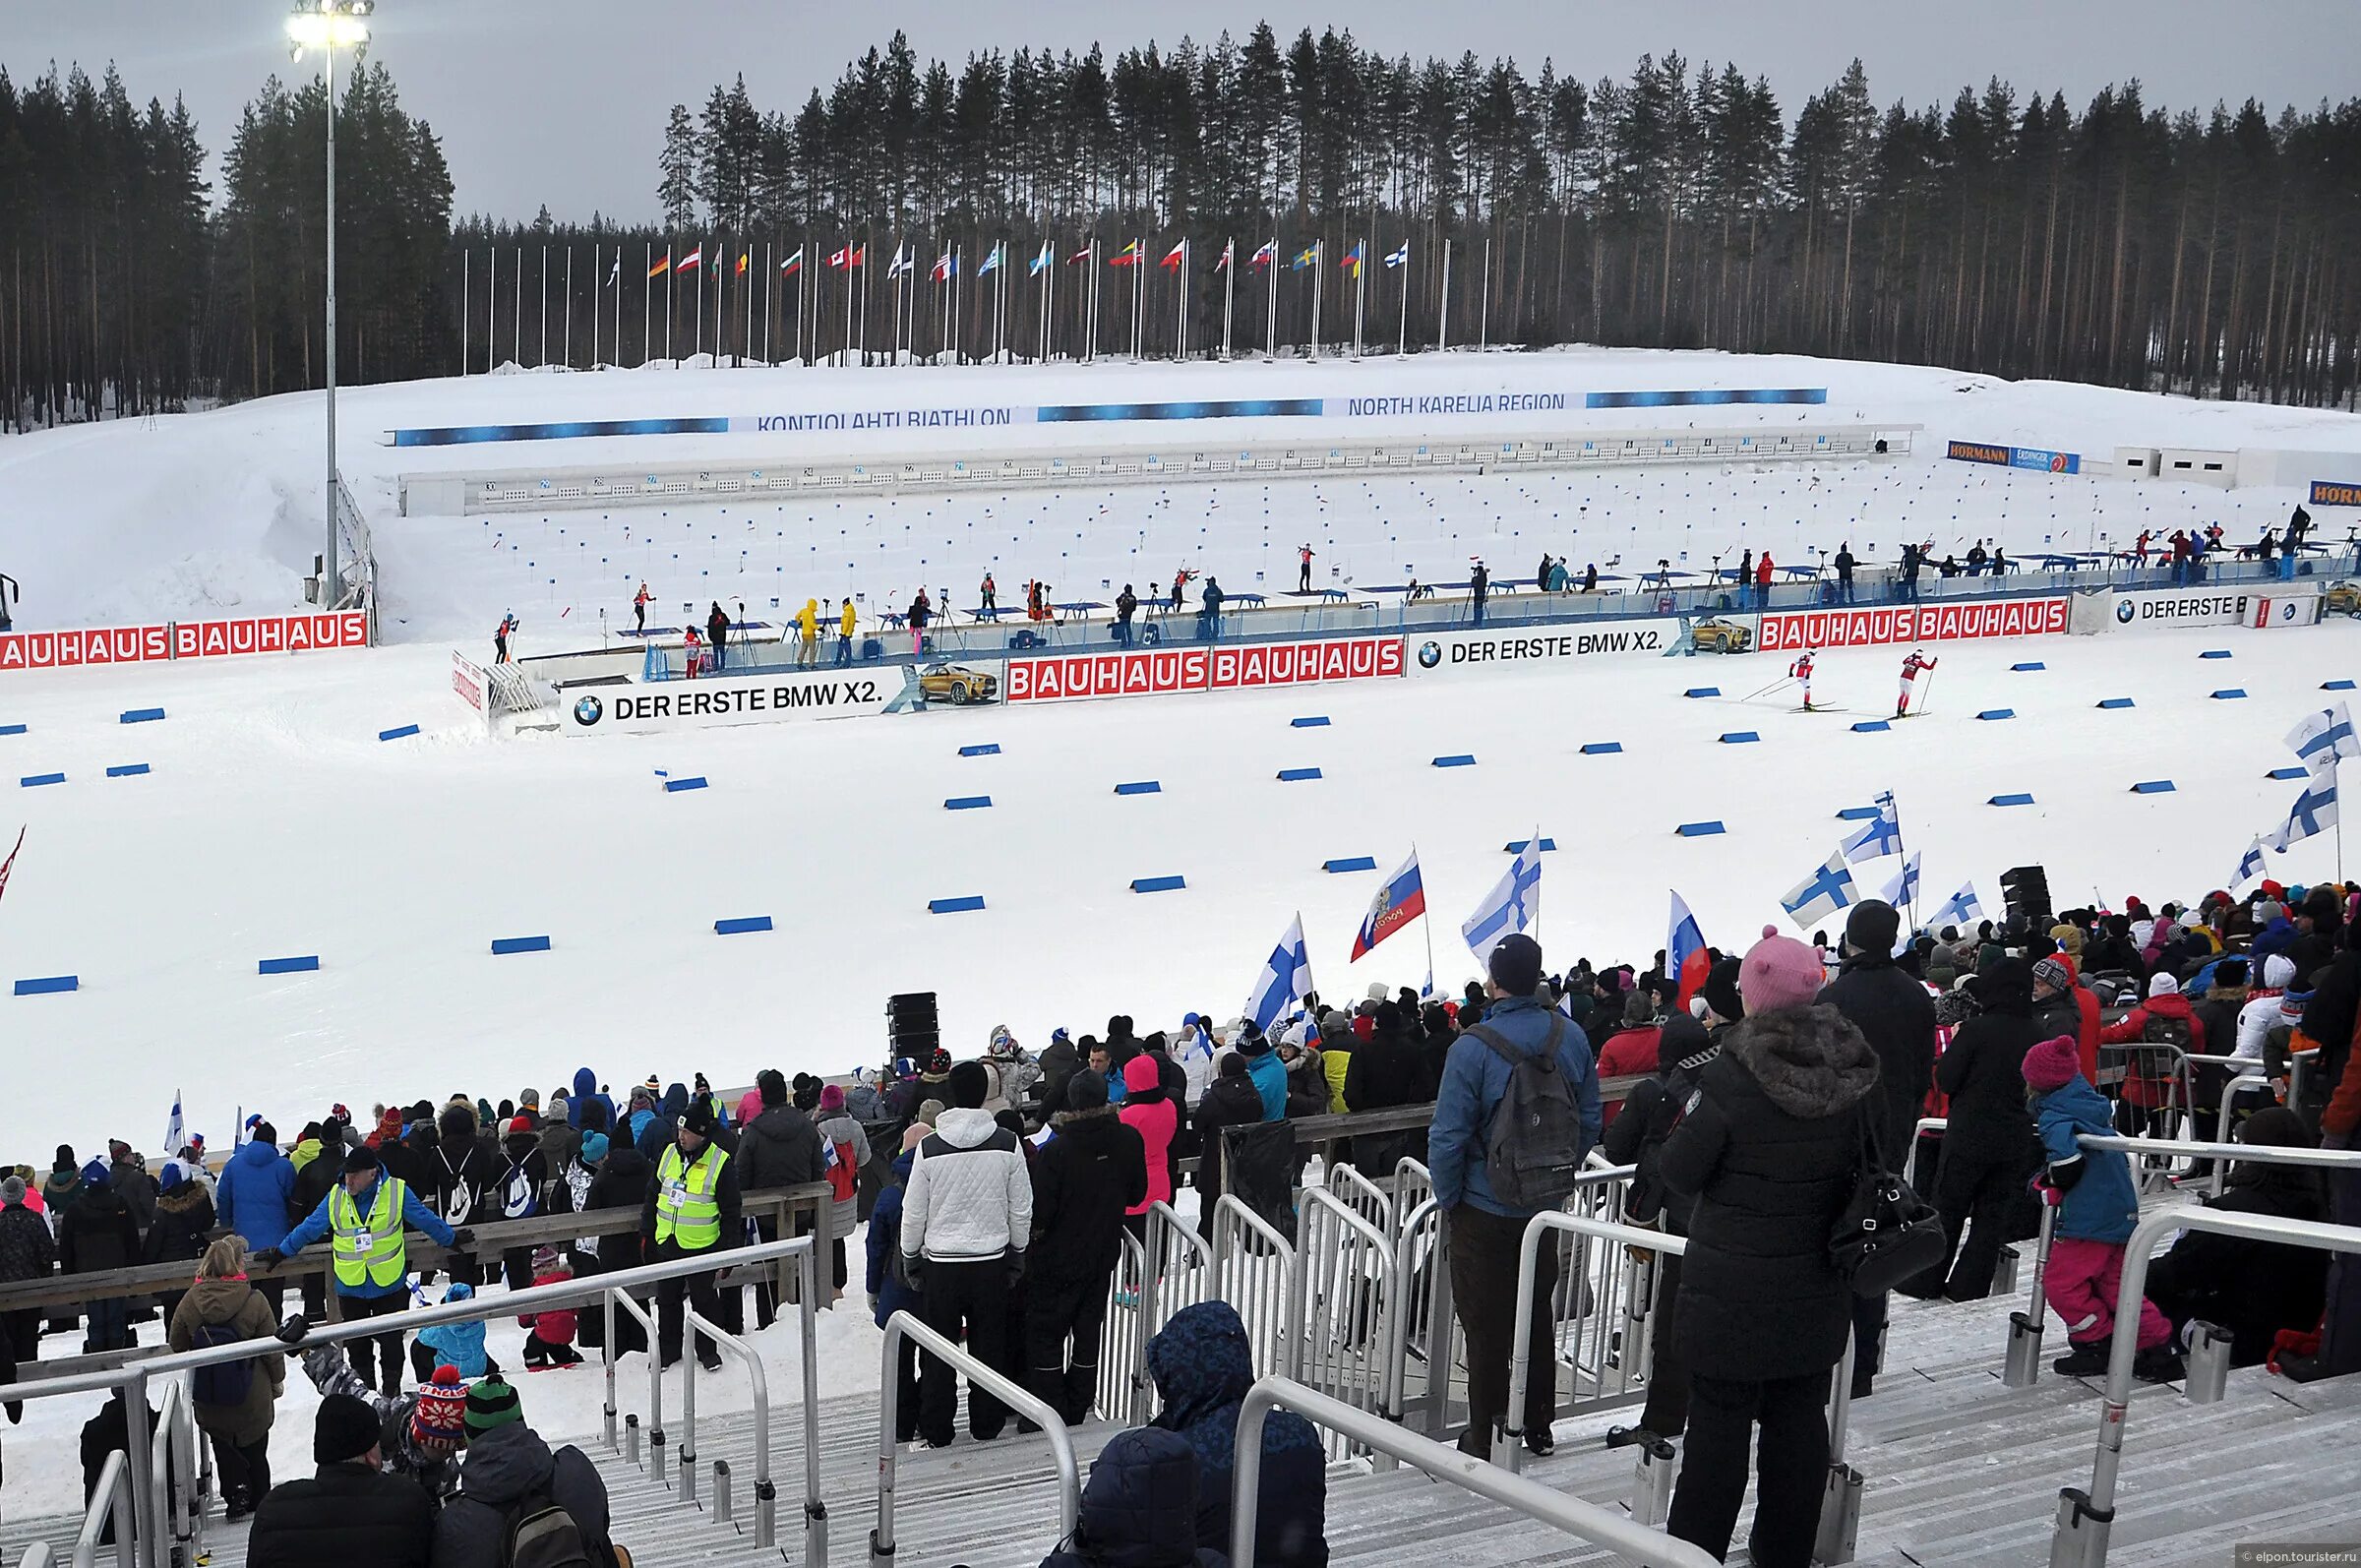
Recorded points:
690,262
849,256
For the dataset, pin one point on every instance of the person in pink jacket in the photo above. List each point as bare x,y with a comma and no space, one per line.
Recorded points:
1150,1113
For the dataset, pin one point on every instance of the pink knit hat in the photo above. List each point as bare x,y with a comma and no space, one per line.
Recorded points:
2053,1064
1780,972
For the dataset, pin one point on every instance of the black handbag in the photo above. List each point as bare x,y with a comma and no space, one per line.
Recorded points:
1887,1232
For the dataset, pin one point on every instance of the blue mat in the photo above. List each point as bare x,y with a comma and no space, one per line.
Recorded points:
1698,829
956,906
1739,738
673,786
1703,690
2115,702
2011,799
1145,785
1356,863
1159,884
988,749
505,946
395,735
741,928
126,770
36,780
2153,786
1297,776
48,985
1460,760
1997,713
1317,721
2229,694
142,715
967,803
288,966
1601,747
1870,726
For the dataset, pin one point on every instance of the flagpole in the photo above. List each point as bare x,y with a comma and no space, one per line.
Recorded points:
1229,287
671,304
1181,304
1425,921
647,300
1402,331
570,304
768,289
1319,266
466,307
544,358
492,310
598,254
698,344
1484,312
517,314
1442,305
849,269
1270,315
1361,293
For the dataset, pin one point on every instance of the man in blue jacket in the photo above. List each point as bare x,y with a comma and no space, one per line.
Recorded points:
253,1196
366,1218
1485,1234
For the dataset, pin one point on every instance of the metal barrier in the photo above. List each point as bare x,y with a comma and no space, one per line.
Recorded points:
37,1555
1424,1337
903,1326
176,1475
1586,1229
114,1501
1413,1184
1909,1158
1124,1334
2221,1128
2021,1363
610,1298
1585,1522
1346,1288
2086,1514
1841,1498
1254,1270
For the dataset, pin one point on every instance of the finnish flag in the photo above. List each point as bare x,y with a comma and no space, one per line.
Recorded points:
2250,864
1514,904
174,1135
1903,892
1286,978
2327,733
1879,836
2315,810
1961,909
1828,890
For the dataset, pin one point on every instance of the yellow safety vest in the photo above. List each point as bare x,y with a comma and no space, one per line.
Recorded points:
688,1202
375,1248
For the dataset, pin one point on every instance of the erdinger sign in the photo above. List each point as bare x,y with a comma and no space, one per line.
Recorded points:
183,640
1148,672
1872,627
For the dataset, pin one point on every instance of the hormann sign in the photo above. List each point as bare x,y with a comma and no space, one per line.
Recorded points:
1540,647
1921,623
2038,459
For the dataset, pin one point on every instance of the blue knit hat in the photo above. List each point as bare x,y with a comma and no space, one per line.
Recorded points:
97,1174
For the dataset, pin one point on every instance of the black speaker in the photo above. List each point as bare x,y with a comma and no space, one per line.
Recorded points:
2026,890
910,1025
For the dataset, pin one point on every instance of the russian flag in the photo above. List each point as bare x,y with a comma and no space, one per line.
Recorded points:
1685,957
1400,901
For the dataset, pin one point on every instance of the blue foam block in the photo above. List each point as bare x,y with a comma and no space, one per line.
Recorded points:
1870,726
1857,813
1698,829
1297,776
1460,760
2324,685
1703,690
967,803
988,749
1515,844
48,985
1159,884
142,715
740,927
126,770
1601,747
2029,664
2115,702
2012,799
673,786
502,946
1997,713
1739,738
1317,721
1145,785
402,733
956,906
2214,654
11,729
2152,786
1355,863
2229,694
36,780
288,966
2285,772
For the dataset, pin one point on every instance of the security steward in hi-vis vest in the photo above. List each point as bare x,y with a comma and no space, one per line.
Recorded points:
692,1207
367,1219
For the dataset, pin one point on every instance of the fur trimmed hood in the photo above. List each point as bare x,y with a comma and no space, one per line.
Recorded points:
1811,1062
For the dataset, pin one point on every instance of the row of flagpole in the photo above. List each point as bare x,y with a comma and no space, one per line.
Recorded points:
712,259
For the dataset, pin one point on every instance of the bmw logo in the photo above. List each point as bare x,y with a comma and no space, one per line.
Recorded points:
1430,654
2123,610
588,710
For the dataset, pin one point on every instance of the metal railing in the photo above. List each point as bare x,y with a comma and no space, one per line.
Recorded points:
37,1555
1421,1336
1347,1289
2086,1514
1362,1197
1254,1270
1151,1281
901,1326
612,1299
114,1501
1621,1239
176,1476
1585,1522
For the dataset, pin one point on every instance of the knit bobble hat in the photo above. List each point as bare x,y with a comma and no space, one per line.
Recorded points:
2052,1065
1778,972
490,1402
442,1413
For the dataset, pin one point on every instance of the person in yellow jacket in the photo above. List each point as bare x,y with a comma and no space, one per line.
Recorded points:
807,624
850,620
693,1208
367,1217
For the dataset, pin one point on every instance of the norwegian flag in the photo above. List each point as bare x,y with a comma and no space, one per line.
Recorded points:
9,865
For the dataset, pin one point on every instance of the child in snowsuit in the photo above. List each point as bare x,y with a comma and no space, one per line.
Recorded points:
2098,1207
551,1340
459,1345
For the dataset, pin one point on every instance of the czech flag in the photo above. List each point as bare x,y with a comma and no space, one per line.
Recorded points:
1400,901
1685,957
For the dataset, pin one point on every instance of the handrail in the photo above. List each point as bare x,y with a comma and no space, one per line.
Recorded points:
695,1323
618,1296
175,1510
902,1326
1529,1253
1323,1351
1909,1158
112,1500
1585,1522
2257,1153
1398,1322
2221,1124
2296,1062
1361,1195
2085,1517
1291,1266
37,1555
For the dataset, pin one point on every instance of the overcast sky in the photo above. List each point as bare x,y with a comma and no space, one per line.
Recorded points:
541,102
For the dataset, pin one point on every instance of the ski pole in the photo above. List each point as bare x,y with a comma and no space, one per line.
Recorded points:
1785,680
1930,688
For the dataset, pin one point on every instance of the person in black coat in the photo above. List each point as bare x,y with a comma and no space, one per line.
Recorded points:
1989,1146
1387,1069
458,1173
350,1513
95,1235
1139,1508
1897,1016
2252,1288
622,1181
1093,1170
1230,1101
1769,1148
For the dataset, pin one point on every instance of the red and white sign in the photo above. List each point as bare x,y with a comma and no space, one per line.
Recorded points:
468,680
1883,625
184,640
1148,672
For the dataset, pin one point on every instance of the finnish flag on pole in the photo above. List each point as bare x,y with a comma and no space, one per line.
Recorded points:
1879,836
1903,890
1828,890
1286,978
2327,733
2315,810
174,1138
1514,904
1961,909
2250,864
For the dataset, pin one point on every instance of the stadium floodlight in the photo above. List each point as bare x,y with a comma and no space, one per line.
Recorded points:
322,27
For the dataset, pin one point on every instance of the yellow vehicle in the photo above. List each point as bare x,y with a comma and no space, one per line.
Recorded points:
958,684
1716,635
2342,598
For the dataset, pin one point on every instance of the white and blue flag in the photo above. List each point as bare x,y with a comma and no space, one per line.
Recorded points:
1828,890
2315,810
174,1137
1286,979
1877,837
1514,904
2250,864
1961,909
2327,733
1903,892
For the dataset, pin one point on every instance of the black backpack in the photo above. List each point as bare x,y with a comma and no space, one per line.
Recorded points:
1533,1150
542,1535
224,1383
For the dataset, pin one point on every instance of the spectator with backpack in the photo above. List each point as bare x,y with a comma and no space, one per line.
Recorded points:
778,1148
1516,1112
843,1156
2161,1031
520,1504
350,1514
520,1190
234,1400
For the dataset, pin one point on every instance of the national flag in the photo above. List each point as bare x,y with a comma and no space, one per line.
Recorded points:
1879,836
2315,808
1399,256
992,262
744,260
1128,256
1351,261
946,265
1174,256
1047,256
9,865
175,1135
903,261
1265,255
663,266
1828,890
1228,261
615,273
1310,258
1286,979
1685,957
1090,247
1513,905
690,262
2250,864
794,262
1400,901
828,1154
1903,890
848,257
1961,909
2327,733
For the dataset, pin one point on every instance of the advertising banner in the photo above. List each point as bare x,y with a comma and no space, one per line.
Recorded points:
1540,647
183,640
2336,493
2036,459
470,684
2294,608
1152,672
729,700
1914,622
2172,607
